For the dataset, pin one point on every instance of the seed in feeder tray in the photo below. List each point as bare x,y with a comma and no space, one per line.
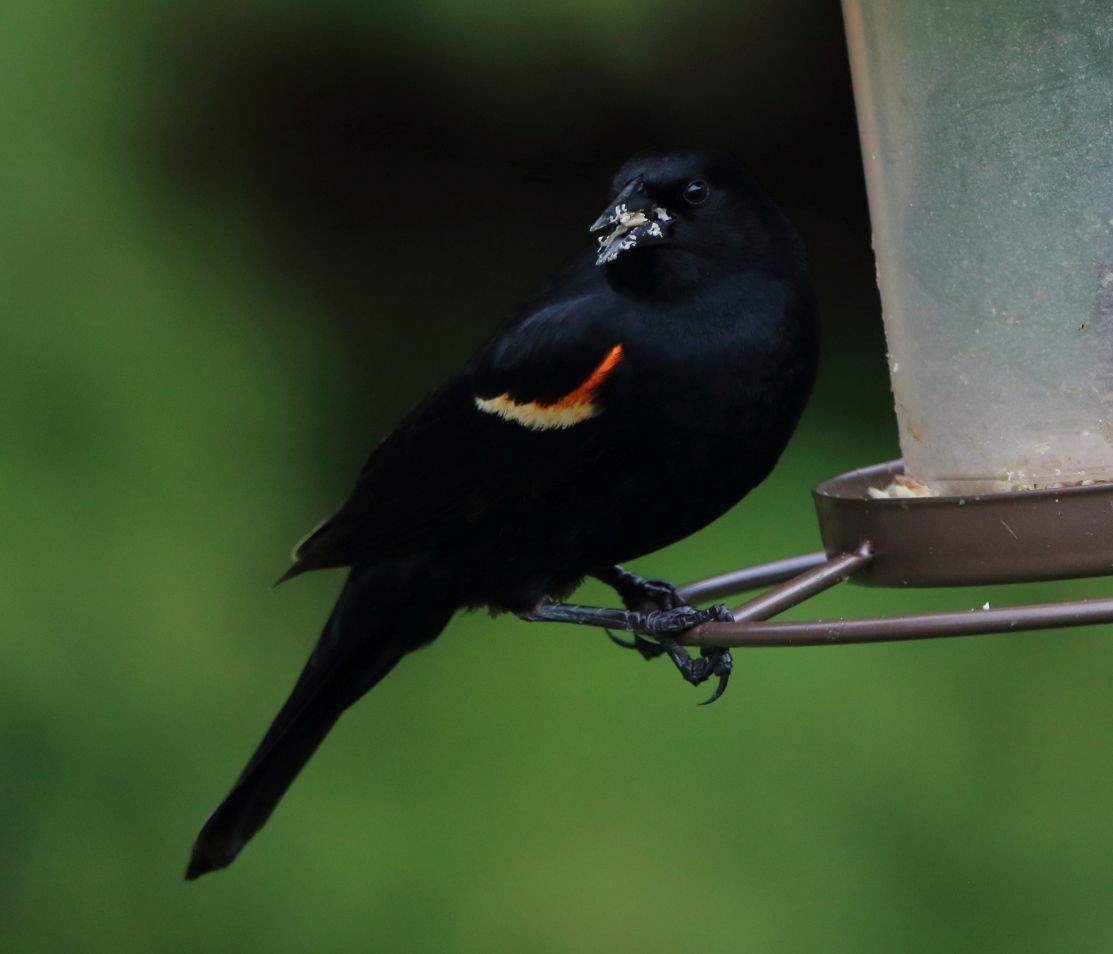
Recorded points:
903,487
1058,484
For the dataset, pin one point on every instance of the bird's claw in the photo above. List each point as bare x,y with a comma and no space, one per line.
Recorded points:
646,647
722,665
714,661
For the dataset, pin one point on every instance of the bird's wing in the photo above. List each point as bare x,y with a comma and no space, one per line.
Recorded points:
522,417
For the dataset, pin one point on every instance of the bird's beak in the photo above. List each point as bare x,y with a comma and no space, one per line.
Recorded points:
634,220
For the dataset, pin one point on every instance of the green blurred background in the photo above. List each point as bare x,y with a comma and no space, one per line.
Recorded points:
238,241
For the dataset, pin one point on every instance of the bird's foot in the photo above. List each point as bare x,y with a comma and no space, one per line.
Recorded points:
651,594
712,662
639,594
680,619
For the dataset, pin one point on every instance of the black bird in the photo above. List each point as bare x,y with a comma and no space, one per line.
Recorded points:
646,389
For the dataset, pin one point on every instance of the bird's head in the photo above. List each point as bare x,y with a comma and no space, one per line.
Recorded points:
687,214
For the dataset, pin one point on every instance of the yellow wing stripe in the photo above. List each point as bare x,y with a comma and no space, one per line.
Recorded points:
568,411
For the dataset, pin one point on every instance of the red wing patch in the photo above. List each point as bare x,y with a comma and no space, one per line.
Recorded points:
567,411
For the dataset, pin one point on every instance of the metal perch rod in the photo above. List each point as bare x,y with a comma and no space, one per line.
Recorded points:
800,578
751,626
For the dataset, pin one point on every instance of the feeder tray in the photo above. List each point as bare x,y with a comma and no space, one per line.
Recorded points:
1013,537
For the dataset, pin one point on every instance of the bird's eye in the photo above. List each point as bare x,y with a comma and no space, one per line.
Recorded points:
696,192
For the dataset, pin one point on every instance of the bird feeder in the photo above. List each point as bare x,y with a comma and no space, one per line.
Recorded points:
987,138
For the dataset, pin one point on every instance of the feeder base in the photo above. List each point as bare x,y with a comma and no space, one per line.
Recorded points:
1015,537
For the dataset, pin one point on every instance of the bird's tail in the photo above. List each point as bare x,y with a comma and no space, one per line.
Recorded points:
382,613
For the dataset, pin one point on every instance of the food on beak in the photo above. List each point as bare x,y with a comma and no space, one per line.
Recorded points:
629,229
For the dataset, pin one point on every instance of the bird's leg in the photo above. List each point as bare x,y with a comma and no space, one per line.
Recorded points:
638,593
655,623
662,626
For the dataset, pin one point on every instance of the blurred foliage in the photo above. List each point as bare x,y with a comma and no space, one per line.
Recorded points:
236,245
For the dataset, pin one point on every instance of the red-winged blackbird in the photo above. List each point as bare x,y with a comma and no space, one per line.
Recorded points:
646,389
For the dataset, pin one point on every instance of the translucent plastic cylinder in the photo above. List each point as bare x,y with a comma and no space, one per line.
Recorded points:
987,136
